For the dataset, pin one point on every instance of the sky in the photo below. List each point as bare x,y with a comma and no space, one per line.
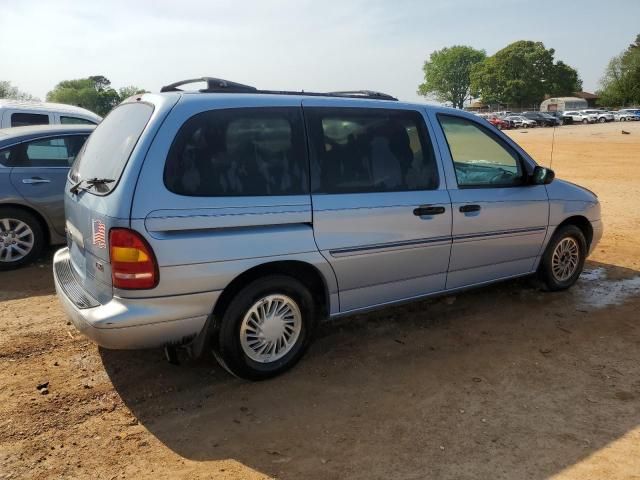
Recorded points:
319,45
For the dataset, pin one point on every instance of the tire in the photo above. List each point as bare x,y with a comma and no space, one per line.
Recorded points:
602,120
232,340
570,236
19,229
585,121
622,119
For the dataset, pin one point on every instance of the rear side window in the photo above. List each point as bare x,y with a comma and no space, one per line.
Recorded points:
51,152
75,121
25,119
358,150
239,152
480,160
108,149
6,157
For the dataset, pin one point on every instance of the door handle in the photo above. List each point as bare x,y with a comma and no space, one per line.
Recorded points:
426,210
35,180
469,208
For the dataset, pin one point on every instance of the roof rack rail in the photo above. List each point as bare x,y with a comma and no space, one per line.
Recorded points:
218,85
213,85
362,94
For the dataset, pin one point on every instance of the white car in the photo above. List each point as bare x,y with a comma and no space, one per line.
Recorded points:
518,121
627,115
14,113
601,116
579,117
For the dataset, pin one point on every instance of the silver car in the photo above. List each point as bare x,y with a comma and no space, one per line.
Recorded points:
235,219
34,162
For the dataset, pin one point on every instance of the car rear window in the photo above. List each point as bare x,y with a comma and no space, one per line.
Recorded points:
107,151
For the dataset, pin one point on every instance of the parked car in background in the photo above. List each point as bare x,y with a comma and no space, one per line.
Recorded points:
601,116
15,113
625,116
541,119
561,117
34,162
234,222
499,123
632,111
577,117
518,121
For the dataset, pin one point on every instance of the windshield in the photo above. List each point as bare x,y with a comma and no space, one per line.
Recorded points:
107,151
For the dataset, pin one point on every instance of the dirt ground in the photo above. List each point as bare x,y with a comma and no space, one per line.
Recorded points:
505,382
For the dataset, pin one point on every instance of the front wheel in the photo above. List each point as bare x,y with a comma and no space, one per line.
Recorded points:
585,121
602,120
563,260
266,328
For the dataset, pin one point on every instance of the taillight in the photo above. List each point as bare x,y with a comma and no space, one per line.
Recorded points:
133,264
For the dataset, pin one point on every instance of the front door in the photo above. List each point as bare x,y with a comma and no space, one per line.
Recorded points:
499,222
381,211
40,174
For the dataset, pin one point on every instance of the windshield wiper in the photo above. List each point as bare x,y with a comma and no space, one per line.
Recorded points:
91,182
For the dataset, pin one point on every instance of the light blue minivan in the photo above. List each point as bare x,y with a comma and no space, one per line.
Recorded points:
234,219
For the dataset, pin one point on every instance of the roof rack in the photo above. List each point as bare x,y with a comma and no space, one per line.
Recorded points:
362,94
213,85
218,85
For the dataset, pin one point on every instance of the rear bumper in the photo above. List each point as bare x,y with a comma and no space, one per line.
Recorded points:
125,323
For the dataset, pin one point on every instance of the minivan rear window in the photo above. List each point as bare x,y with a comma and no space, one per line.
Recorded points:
109,147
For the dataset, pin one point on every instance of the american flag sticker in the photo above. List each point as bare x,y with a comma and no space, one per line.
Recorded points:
99,235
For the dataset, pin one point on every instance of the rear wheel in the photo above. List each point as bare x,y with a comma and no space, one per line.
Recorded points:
266,328
21,238
563,260
602,120
585,121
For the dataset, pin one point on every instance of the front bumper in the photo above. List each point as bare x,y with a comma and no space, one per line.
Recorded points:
598,229
126,323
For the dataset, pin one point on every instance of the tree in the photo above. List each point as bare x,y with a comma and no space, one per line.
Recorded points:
521,74
620,85
9,91
446,73
93,93
129,90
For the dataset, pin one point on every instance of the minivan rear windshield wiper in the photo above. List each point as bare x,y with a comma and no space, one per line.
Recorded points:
90,182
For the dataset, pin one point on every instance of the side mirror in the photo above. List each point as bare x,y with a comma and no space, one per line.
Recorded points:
542,176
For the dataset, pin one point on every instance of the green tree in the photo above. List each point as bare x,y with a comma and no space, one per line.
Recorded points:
9,91
620,85
446,74
130,90
521,74
93,93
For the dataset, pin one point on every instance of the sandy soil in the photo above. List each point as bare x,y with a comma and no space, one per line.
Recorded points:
503,382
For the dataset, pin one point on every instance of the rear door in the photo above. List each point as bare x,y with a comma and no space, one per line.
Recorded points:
499,221
381,211
94,209
40,173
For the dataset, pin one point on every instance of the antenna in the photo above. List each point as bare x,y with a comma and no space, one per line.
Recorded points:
553,141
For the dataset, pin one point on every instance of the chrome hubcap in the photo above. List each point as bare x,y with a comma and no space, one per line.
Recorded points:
16,239
565,259
270,328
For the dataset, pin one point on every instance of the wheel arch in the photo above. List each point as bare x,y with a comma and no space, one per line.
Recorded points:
306,273
582,223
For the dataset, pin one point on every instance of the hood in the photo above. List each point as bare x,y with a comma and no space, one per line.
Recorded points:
563,190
